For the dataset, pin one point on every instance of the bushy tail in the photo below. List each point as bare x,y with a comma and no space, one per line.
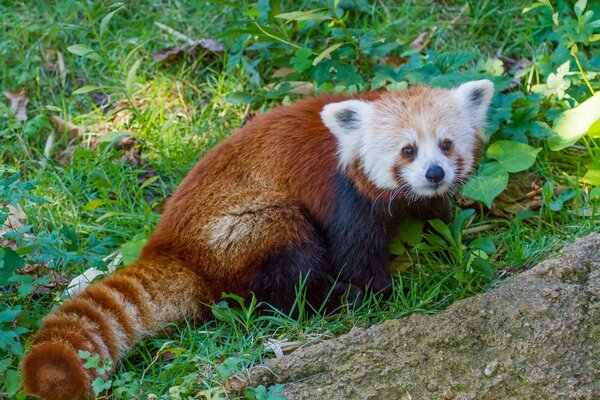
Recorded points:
106,319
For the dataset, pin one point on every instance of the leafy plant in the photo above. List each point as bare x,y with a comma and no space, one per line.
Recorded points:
446,246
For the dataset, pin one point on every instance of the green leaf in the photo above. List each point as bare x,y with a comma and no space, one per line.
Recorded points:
9,263
488,184
79,50
411,231
541,3
86,89
397,246
301,59
483,266
9,315
592,177
132,76
100,385
595,193
4,364
13,382
442,229
513,156
106,20
311,15
573,124
130,251
580,7
460,220
92,205
84,51
594,130
484,244
326,53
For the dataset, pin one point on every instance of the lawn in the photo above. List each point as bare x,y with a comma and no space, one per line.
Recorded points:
107,105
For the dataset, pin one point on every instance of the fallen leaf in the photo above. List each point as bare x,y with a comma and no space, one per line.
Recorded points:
81,281
394,60
514,65
419,41
172,53
281,72
523,192
63,128
14,222
18,103
296,87
100,100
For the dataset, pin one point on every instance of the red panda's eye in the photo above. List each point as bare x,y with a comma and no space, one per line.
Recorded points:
408,151
446,145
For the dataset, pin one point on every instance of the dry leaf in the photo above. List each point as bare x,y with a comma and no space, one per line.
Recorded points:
281,72
14,222
419,41
172,53
523,192
18,103
394,60
63,128
296,87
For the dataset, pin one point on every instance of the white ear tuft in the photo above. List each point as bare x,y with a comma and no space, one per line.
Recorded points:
476,97
347,120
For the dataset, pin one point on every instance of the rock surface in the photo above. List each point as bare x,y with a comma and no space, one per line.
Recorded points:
535,337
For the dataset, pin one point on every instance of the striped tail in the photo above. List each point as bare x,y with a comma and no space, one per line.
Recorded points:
106,319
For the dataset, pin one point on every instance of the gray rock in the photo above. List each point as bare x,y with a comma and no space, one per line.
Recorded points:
537,336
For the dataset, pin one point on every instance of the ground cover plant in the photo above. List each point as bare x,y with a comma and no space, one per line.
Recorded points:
107,105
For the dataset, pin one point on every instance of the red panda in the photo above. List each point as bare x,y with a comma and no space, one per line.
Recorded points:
314,189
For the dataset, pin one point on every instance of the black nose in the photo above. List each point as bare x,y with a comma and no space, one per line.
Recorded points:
435,174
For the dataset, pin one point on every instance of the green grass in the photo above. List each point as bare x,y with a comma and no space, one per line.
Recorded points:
98,197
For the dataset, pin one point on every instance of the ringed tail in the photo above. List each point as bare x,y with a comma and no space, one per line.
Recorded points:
107,318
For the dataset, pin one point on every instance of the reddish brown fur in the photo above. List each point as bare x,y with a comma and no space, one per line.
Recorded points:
264,175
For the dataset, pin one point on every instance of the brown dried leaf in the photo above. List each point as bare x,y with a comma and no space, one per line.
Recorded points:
62,128
172,53
523,192
14,222
419,41
296,87
18,103
394,61
281,72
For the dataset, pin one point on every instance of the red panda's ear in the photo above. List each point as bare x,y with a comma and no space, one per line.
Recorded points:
476,97
347,120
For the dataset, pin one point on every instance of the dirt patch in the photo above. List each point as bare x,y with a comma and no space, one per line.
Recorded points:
535,337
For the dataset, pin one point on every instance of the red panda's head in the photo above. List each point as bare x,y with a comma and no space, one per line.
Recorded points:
421,141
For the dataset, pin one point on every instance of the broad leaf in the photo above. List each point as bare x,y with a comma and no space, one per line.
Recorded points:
9,263
513,156
489,183
573,124
592,177
310,15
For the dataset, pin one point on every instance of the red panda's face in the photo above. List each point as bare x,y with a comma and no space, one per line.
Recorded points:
419,142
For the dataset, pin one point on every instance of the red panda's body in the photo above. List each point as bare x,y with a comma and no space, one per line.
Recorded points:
279,199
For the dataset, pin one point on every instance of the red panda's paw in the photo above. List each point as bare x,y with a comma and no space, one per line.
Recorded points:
54,371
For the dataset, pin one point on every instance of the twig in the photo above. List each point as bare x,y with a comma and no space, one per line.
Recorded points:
174,33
